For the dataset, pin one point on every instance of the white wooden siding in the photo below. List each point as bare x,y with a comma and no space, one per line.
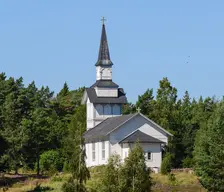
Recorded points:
106,92
98,154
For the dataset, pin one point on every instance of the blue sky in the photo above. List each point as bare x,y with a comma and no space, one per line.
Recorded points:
55,41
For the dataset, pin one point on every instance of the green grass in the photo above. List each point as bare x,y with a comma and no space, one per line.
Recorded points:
185,182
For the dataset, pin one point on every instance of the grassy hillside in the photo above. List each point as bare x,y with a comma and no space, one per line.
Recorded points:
184,182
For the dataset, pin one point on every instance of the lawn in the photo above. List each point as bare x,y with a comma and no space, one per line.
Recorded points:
185,182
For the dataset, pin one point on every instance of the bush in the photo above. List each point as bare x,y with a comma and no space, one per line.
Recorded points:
69,186
50,162
166,164
56,179
188,162
73,186
171,178
66,167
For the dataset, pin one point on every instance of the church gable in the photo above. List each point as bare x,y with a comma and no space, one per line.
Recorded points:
142,123
118,128
140,137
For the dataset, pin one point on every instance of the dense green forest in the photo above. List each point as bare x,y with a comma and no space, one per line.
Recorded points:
33,123
36,125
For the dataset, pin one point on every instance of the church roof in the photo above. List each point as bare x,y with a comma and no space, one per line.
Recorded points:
121,99
104,83
106,126
104,54
141,137
111,124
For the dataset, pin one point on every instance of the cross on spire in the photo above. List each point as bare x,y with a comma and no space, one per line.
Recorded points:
138,110
103,20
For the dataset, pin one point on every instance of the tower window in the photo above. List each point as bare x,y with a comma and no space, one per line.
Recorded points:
99,110
93,151
116,110
107,110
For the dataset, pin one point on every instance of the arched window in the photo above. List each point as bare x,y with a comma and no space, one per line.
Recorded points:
107,110
99,110
116,109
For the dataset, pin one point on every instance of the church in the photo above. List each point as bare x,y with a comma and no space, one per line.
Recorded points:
108,131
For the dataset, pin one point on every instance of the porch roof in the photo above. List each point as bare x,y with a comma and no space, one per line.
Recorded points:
140,137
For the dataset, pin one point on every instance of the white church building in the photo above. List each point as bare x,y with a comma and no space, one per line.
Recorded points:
108,131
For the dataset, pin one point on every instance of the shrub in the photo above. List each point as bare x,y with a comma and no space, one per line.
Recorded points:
166,164
171,177
73,186
38,188
110,179
133,174
66,167
69,186
50,162
188,162
56,179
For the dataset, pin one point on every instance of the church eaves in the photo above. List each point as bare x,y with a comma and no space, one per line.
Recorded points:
104,54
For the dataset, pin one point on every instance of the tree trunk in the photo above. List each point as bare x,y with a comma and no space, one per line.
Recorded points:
38,164
16,170
133,183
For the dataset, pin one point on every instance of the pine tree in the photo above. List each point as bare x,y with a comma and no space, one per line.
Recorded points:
166,164
134,175
37,132
145,102
110,177
12,114
37,125
3,149
75,151
209,153
64,92
187,132
128,108
165,107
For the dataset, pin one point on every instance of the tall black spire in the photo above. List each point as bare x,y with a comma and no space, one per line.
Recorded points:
104,54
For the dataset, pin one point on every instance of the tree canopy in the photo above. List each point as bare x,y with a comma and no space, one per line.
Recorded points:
209,151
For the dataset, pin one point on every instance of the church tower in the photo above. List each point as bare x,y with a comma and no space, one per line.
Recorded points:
104,98
104,64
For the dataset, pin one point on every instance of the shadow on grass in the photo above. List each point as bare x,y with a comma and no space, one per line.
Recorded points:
38,188
8,180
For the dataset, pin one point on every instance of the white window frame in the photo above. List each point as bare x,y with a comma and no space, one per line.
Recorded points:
103,150
93,151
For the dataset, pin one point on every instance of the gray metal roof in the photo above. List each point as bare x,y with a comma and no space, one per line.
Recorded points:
106,126
104,54
110,124
121,99
104,83
140,137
